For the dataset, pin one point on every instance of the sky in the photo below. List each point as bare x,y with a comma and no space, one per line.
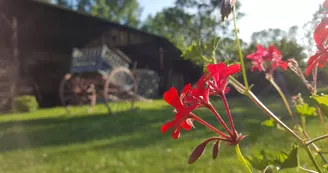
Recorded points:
260,14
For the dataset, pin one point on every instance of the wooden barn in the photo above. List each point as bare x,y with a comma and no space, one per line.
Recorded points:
37,41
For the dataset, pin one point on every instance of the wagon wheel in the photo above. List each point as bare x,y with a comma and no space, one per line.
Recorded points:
120,89
75,90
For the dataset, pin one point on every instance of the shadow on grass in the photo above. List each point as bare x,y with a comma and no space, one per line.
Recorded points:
144,123
63,130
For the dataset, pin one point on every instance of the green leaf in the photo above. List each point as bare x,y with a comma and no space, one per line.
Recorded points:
268,123
202,53
325,166
260,162
284,160
211,45
322,102
193,51
305,110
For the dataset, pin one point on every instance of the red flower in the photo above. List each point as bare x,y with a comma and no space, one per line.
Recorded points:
267,59
220,73
199,95
189,100
325,4
320,35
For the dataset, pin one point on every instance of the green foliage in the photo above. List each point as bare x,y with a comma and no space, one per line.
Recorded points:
198,18
271,123
305,110
268,123
127,12
325,166
25,103
322,102
281,161
290,160
201,55
211,46
261,161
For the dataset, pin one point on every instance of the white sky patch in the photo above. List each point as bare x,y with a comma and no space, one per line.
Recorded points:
260,14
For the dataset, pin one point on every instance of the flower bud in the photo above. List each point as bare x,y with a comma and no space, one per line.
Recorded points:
226,8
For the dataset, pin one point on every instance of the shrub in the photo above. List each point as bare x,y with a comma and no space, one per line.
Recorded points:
25,103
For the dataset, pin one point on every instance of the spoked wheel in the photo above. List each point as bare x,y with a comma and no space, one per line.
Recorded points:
120,90
74,91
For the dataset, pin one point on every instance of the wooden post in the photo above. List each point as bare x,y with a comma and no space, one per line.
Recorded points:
161,58
162,74
15,55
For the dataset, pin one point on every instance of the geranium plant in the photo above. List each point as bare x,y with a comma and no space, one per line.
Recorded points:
215,80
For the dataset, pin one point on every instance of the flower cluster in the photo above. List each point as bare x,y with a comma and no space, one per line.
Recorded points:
213,82
267,59
320,36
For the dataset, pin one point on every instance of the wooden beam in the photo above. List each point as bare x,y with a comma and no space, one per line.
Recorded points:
15,55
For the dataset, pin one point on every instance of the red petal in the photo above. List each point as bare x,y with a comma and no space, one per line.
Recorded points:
186,126
226,90
283,65
185,91
325,4
232,69
322,60
214,68
272,50
260,49
251,56
168,126
312,62
201,83
186,88
176,133
171,97
320,33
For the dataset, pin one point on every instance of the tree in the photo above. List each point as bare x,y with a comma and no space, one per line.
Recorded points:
188,21
125,12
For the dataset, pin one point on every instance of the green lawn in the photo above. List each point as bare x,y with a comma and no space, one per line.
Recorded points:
50,141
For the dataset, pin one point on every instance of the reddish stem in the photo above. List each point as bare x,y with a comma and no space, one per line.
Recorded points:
195,117
217,115
226,105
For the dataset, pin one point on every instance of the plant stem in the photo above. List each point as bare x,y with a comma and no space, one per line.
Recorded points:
226,105
239,49
282,95
255,100
218,117
316,139
322,121
272,115
242,159
215,130
313,159
315,76
307,170
317,149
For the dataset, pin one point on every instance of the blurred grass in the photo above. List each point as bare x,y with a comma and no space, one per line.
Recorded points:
51,141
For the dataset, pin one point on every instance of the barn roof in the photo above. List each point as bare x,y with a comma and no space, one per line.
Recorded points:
46,26
54,25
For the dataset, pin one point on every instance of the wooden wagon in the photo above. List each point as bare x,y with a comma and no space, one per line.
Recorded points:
99,71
